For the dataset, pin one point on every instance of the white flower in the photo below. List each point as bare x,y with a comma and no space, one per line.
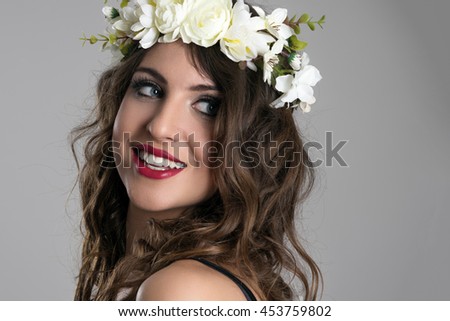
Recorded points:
111,14
305,107
275,22
295,61
243,41
169,16
271,59
254,42
251,65
145,29
116,55
298,86
206,22
128,17
305,59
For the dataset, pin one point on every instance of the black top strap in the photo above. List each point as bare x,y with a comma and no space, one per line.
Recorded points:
245,290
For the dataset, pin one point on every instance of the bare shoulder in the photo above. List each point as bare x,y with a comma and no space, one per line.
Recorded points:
186,280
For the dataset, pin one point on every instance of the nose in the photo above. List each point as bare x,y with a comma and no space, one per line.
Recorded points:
167,121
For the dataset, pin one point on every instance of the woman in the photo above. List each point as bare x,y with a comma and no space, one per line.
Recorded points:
191,177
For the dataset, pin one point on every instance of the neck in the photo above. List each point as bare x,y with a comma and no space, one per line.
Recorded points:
136,222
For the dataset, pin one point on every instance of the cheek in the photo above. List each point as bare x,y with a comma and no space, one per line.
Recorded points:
128,122
118,137
203,150
119,123
131,116
123,128
206,157
117,129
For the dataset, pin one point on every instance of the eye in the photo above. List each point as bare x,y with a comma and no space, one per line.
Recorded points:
208,106
146,88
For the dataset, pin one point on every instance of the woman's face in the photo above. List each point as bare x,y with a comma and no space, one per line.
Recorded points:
163,124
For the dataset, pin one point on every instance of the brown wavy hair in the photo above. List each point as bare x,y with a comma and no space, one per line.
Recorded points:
249,222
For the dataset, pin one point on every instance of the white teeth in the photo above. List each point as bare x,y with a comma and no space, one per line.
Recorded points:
157,160
158,163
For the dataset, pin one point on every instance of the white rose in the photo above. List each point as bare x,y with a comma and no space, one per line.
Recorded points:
169,16
243,41
145,29
206,22
128,17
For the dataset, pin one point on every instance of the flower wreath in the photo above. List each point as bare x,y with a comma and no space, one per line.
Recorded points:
268,42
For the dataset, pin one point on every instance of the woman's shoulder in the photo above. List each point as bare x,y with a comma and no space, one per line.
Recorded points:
189,280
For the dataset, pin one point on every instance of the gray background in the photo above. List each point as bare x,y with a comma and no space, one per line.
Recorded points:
378,228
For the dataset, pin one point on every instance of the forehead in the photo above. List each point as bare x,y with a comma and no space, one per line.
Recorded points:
174,62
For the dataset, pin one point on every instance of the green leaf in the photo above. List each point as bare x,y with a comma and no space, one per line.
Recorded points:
293,19
297,44
304,18
93,39
124,3
311,25
301,45
127,47
115,13
112,38
288,50
125,50
297,29
321,21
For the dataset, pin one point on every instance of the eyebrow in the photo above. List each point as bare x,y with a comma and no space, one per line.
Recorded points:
154,73
160,78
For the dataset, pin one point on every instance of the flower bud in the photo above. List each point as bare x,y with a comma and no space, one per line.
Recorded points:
295,61
110,13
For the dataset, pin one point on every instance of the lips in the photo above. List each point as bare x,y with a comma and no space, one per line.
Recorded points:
155,163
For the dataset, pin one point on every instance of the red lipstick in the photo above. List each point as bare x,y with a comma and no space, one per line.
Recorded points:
161,172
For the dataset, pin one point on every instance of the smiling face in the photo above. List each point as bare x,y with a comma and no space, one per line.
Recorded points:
163,124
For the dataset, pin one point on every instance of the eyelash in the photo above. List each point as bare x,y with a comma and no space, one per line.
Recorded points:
138,83
212,101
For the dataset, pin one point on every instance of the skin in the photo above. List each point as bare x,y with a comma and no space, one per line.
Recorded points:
174,113
189,280
166,109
